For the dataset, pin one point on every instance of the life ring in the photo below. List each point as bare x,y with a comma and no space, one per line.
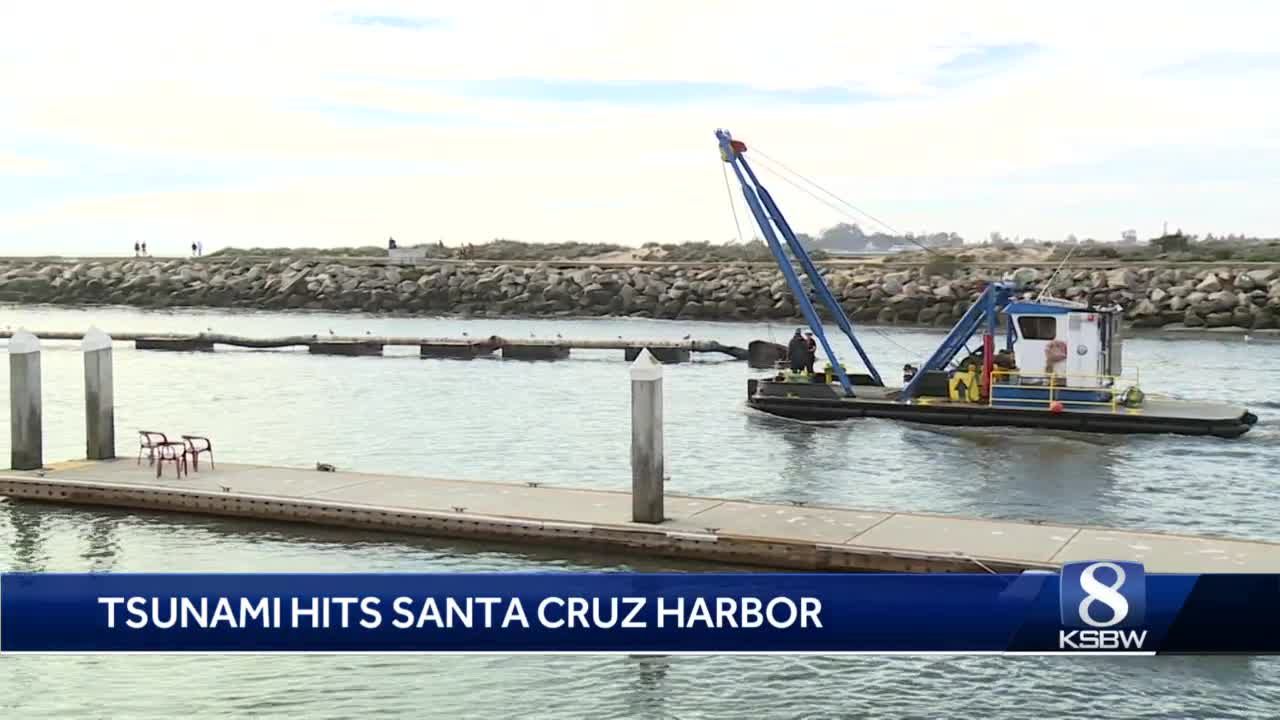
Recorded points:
1055,351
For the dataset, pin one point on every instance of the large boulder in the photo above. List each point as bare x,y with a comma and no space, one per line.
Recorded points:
1122,278
1261,277
1219,319
1145,308
893,282
1223,300
1242,317
1210,284
1023,277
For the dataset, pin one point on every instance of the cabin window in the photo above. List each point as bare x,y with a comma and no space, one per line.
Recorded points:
1038,327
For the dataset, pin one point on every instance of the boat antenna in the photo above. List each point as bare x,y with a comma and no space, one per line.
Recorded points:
1049,283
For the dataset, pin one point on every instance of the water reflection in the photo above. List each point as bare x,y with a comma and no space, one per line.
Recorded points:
648,687
28,546
102,547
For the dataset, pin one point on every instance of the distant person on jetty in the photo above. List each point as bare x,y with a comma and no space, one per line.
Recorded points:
199,248
391,243
144,249
798,352
137,249
812,346
193,249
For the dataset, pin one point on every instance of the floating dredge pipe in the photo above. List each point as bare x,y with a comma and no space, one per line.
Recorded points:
493,341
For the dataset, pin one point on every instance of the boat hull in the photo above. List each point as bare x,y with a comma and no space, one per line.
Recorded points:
822,402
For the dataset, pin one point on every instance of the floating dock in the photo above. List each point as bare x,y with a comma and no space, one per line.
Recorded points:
667,351
806,537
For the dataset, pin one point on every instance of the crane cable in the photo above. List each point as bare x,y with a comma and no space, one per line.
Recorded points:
733,207
784,178
784,167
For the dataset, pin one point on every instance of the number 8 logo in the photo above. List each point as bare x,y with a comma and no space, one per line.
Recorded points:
1095,591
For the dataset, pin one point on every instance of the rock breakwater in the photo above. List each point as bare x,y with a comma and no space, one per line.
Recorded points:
1152,296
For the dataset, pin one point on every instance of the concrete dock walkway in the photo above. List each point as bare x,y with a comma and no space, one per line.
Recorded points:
709,529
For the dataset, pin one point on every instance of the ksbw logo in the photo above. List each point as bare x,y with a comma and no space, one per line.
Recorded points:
1102,602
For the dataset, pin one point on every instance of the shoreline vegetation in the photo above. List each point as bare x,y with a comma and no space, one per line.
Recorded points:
845,246
924,289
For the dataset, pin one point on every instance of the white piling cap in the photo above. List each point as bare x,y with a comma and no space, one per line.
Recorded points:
23,342
95,339
646,367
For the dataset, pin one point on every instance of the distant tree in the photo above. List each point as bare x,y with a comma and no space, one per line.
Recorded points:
844,236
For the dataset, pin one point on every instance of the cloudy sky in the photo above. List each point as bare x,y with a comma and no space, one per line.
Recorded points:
341,123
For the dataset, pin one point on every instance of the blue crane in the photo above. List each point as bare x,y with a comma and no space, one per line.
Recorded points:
981,315
767,216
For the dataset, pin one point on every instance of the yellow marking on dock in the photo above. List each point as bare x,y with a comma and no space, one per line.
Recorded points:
63,465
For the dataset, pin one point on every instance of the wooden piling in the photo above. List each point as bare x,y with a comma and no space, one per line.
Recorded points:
647,453
26,431
99,396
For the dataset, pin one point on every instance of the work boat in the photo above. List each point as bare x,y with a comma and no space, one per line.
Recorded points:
1060,366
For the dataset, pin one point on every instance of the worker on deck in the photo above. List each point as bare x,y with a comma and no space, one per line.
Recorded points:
812,344
798,352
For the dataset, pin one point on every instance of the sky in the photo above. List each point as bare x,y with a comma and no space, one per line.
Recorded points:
326,124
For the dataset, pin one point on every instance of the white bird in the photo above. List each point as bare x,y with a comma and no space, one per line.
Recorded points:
1247,338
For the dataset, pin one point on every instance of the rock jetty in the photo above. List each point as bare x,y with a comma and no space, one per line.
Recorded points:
1152,296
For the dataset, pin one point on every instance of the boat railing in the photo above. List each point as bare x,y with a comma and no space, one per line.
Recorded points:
1056,383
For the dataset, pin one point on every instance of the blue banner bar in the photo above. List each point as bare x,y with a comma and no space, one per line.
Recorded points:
1098,606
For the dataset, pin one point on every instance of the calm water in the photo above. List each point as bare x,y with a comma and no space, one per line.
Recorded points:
567,422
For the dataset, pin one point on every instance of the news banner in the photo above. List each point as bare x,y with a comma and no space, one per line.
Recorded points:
1089,607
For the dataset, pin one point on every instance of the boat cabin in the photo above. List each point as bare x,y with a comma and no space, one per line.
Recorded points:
1066,339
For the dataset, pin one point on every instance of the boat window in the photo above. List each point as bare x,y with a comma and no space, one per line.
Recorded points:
1038,327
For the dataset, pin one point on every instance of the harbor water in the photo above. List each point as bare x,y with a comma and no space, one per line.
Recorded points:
567,423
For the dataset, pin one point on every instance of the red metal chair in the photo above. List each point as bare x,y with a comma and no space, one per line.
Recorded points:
196,444
174,452
149,441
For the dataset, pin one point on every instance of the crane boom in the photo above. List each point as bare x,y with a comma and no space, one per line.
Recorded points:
768,216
